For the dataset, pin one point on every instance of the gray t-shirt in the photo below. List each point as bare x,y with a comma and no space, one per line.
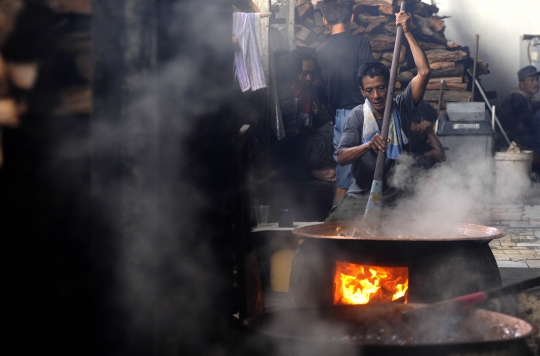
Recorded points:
363,168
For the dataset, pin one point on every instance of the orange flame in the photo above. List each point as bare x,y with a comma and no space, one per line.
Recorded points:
359,284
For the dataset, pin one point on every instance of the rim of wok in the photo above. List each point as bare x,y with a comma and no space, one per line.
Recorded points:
257,323
463,231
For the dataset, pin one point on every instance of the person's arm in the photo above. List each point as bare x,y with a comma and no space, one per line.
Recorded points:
351,154
420,81
350,146
438,150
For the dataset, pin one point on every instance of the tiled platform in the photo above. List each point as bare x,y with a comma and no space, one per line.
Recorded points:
520,247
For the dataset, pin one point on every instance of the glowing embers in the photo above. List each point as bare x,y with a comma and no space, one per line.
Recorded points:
360,284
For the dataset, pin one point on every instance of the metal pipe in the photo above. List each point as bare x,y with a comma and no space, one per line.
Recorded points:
494,116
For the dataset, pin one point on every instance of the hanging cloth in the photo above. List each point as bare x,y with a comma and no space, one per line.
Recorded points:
247,59
371,128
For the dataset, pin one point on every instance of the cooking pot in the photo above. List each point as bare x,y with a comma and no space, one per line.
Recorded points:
380,329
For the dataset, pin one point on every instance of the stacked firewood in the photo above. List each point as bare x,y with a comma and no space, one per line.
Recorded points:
69,43
375,19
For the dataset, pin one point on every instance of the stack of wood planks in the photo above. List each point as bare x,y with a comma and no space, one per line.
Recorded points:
375,19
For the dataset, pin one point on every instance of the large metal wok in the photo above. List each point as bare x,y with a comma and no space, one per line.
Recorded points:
352,230
380,329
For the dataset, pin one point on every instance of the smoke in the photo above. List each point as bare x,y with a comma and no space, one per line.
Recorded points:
457,191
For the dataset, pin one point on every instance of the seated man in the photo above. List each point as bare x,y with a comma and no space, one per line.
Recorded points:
306,151
361,139
425,145
517,112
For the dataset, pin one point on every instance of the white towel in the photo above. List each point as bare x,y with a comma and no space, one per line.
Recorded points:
248,65
370,128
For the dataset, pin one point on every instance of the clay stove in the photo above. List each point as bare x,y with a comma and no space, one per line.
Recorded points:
332,268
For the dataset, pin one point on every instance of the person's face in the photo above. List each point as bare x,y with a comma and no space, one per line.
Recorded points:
422,128
307,73
529,84
375,90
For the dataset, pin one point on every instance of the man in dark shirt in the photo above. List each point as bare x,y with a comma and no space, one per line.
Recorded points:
361,139
425,145
517,111
339,58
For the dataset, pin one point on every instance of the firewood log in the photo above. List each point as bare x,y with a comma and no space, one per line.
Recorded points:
22,75
357,9
4,85
304,10
436,24
448,95
447,86
374,2
447,80
9,9
373,27
372,19
376,55
390,55
388,10
1,149
405,76
381,42
75,100
83,62
359,30
424,30
318,18
481,67
442,65
424,10
304,34
442,73
390,28
72,6
437,55
431,45
9,112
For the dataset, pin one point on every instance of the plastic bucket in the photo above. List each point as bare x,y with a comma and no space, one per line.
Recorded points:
514,163
512,175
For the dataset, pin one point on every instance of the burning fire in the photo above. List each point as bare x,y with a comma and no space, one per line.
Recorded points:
359,284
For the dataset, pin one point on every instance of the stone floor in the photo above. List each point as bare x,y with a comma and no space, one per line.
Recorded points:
520,247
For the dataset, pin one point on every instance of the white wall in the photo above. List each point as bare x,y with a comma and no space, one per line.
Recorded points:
501,25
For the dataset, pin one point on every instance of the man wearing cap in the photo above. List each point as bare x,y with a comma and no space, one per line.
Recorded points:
517,113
